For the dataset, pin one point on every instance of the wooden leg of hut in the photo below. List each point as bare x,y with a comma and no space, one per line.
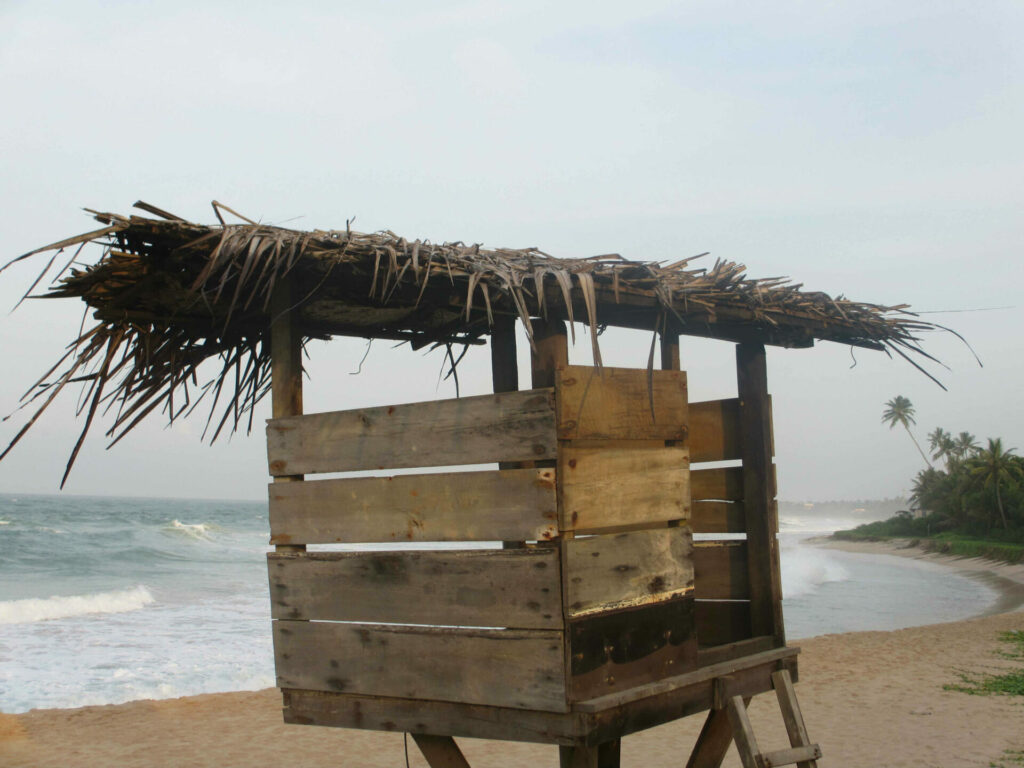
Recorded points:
603,756
505,378
713,742
551,349
791,714
759,493
440,751
743,732
670,360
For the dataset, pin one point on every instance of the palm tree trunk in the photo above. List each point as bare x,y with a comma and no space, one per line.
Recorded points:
917,446
999,504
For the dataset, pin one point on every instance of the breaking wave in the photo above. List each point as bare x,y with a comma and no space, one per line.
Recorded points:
63,607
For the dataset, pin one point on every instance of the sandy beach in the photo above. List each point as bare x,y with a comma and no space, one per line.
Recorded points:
869,699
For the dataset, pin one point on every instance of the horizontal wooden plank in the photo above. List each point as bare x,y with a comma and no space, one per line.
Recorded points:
508,504
722,621
611,484
717,517
720,570
616,403
522,669
510,426
613,571
714,430
621,649
442,718
721,483
685,680
716,654
614,722
517,588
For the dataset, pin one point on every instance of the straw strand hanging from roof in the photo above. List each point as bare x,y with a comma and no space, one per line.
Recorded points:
168,294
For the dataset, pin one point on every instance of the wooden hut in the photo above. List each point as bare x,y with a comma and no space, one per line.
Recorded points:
592,613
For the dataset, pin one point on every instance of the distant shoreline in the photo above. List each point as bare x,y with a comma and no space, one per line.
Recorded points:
1006,578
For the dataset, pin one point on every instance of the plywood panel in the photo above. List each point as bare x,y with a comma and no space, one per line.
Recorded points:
717,517
606,485
511,504
614,571
618,650
616,403
720,570
722,621
477,588
505,668
714,430
510,426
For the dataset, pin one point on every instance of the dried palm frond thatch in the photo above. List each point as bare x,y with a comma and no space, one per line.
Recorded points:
168,294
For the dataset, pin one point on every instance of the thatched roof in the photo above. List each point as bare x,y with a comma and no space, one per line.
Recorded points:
168,294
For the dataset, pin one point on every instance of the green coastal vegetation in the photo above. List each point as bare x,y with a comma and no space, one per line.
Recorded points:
968,500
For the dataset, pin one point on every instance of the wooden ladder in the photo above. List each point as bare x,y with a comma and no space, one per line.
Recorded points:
728,721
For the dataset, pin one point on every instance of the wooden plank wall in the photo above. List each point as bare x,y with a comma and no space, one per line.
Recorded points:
723,581
420,624
626,548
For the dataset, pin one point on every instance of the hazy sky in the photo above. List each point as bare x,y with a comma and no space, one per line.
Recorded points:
871,149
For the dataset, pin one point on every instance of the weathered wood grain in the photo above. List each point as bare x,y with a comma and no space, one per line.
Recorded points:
618,650
648,712
714,430
378,713
510,426
285,368
759,492
717,517
719,653
684,680
517,588
440,751
613,571
722,621
605,485
522,669
615,404
514,504
720,570
721,483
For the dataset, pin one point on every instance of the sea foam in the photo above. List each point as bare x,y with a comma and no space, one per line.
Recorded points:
192,530
62,607
805,568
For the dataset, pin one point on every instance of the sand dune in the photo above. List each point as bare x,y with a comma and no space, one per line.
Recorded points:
869,699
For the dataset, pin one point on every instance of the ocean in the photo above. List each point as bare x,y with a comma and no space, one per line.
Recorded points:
106,600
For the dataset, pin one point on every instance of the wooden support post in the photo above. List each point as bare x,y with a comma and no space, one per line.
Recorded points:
605,755
505,378
285,367
551,349
504,364
440,751
759,493
713,742
791,714
670,360
743,732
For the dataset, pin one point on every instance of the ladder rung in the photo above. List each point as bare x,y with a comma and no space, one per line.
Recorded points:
790,756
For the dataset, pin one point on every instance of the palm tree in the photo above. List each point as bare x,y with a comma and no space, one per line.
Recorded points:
900,411
964,444
995,466
941,444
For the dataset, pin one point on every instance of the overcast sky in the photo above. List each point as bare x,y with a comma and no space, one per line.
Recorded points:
871,149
